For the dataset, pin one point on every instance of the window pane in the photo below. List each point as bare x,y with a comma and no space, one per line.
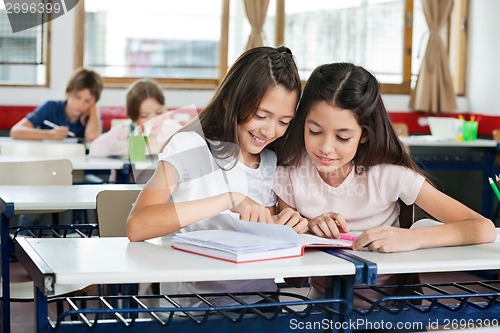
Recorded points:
366,32
419,42
153,38
22,54
239,29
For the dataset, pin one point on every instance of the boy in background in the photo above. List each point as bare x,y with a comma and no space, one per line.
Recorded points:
76,116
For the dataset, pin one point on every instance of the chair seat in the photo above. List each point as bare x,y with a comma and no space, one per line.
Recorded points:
24,291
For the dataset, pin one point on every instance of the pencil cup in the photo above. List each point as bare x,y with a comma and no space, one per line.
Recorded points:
469,130
137,148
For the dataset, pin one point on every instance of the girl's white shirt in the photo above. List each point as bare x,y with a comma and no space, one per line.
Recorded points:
200,177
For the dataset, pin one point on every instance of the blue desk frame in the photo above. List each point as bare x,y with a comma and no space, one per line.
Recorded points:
485,162
337,308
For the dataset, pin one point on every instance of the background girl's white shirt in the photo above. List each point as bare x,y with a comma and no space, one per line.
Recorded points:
115,141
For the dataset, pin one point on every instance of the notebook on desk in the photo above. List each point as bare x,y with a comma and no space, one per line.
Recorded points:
250,241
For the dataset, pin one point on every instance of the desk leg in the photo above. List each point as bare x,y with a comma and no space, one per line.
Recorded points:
489,170
124,174
41,312
341,287
5,248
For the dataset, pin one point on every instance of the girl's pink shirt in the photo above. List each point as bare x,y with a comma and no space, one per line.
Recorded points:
364,200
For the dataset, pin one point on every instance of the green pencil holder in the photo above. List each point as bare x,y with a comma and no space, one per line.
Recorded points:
137,148
469,130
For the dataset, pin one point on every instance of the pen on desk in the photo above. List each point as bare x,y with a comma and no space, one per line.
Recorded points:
348,237
51,124
494,187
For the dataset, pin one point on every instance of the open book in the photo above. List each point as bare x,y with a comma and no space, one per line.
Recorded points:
250,241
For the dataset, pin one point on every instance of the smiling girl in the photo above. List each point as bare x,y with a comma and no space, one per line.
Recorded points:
223,162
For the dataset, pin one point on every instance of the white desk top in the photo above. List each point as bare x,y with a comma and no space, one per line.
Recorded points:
117,260
148,164
428,141
83,162
443,259
9,140
55,197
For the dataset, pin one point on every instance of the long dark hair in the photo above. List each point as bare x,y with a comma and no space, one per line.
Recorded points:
350,87
238,96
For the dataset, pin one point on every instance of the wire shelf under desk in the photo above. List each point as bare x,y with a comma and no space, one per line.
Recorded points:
133,314
456,304
459,303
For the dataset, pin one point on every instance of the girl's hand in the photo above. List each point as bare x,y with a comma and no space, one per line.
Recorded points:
249,210
292,218
386,238
328,225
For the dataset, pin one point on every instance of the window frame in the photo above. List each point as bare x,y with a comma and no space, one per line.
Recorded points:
165,82
459,56
47,48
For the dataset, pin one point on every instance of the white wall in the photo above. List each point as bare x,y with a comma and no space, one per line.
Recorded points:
483,72
482,91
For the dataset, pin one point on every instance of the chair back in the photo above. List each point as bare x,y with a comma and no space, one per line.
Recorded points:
401,129
496,134
43,149
50,172
113,207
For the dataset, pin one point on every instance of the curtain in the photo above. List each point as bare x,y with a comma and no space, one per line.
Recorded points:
256,12
434,91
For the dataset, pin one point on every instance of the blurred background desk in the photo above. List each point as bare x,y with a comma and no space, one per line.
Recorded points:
83,163
21,199
460,169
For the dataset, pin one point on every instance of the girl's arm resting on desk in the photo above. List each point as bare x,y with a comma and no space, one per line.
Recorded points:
461,226
153,216
160,219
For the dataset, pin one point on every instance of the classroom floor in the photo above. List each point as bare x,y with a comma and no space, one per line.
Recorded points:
22,313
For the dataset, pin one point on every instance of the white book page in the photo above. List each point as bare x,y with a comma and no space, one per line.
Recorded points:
248,237
309,239
231,241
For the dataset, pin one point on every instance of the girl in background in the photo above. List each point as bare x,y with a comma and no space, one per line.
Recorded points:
145,105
